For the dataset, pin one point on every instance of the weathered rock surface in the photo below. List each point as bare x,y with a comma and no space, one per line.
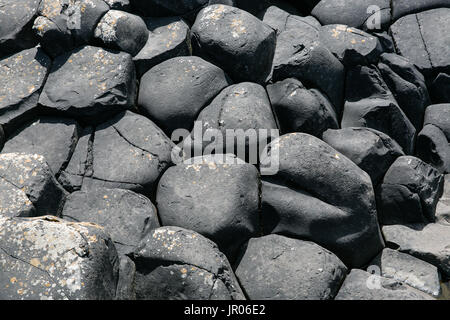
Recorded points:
22,77
50,259
361,285
236,41
175,263
54,138
126,216
98,84
429,243
219,201
31,183
409,192
278,268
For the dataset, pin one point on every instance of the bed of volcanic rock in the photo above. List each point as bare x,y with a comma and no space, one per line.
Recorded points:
101,199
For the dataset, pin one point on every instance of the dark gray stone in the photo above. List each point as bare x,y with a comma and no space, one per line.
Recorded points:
350,45
16,19
31,174
278,268
372,150
301,110
443,206
168,38
175,263
409,192
219,201
424,38
50,259
126,216
197,82
122,31
369,103
126,152
98,84
429,243
125,284
22,77
54,138
342,189
407,85
236,41
362,285
409,270
63,25
440,88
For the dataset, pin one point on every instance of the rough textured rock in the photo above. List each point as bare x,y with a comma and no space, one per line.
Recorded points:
236,41
63,25
439,88
14,201
409,270
429,243
372,150
280,20
370,103
340,187
407,85
278,268
161,8
127,152
362,285
122,31
443,206
16,19
433,141
197,83
350,45
48,258
52,137
168,38
430,51
401,8
98,83
126,216
30,174
301,110
355,15
125,285
409,192
300,54
22,77
219,201
175,263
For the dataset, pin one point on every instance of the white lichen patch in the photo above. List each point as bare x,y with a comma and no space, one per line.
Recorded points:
107,27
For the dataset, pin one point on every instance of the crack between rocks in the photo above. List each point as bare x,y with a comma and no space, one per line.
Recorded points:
40,269
423,41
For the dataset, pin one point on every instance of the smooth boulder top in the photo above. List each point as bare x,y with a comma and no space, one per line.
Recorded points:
49,258
22,77
372,150
164,8
219,201
122,31
196,81
235,40
126,216
278,268
439,116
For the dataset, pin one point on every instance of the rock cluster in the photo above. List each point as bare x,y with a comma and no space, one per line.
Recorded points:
99,201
